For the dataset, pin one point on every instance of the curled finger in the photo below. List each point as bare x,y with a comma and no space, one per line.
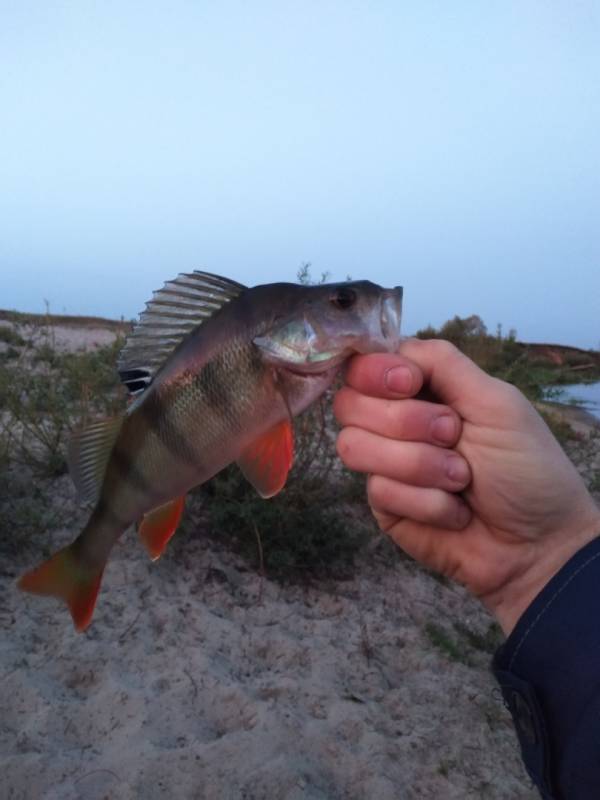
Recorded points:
409,420
389,498
416,463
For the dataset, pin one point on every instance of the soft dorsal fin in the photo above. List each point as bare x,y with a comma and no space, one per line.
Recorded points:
89,451
174,311
266,463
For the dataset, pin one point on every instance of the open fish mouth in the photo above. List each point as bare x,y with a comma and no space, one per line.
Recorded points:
391,314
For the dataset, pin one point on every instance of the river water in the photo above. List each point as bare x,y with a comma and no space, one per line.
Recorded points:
587,395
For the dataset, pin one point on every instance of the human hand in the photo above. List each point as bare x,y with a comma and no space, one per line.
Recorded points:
474,486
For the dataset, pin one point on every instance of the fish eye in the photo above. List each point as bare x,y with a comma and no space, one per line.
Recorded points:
343,298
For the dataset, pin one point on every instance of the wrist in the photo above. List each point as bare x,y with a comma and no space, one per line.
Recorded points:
545,559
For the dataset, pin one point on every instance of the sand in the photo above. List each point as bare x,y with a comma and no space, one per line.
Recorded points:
200,679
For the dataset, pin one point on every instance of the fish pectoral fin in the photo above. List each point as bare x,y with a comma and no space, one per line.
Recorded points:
64,577
159,525
89,451
266,463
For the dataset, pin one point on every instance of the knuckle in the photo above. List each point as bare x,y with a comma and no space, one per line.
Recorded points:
377,491
437,509
346,446
394,418
445,349
423,467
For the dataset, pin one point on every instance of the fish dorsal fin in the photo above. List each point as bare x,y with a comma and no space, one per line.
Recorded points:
174,311
89,451
266,463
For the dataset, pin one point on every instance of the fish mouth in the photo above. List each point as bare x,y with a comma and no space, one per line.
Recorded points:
317,369
391,315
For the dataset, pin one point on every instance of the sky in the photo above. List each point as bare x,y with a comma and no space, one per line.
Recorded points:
449,147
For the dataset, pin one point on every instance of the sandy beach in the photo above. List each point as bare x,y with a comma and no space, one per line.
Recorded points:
199,679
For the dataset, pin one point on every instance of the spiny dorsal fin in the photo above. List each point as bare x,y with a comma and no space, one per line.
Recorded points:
89,451
174,311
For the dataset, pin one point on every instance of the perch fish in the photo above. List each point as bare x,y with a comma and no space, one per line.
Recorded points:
217,372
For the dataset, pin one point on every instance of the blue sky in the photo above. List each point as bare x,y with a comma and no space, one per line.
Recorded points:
451,147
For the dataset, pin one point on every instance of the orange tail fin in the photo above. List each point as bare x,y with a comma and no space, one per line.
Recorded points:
63,576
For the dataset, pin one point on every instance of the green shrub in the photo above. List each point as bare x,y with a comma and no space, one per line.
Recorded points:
44,398
506,358
452,648
461,645
9,335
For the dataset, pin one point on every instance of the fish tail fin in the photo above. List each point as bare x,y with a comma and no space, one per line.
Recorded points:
65,577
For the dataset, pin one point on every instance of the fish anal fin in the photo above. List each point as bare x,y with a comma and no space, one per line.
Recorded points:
267,461
63,577
89,451
159,525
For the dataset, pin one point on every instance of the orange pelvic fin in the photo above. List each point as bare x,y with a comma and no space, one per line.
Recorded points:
63,576
268,460
159,525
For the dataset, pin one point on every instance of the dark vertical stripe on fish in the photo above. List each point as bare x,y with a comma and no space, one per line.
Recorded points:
128,470
108,514
153,411
214,381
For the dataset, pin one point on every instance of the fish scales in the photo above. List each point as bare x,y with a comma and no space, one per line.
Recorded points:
175,437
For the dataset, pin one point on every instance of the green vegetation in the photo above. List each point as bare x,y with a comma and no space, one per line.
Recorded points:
19,318
531,368
463,642
9,335
451,647
487,642
44,395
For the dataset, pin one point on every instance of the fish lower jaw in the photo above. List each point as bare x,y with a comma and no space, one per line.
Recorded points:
314,372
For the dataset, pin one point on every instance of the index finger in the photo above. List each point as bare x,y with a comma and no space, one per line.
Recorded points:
387,375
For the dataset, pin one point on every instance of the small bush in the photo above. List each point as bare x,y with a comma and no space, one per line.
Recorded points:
451,648
11,336
45,395
465,641
487,642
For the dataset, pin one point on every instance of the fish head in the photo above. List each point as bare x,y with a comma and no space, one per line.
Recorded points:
323,325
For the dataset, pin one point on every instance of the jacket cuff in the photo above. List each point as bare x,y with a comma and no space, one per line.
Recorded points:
549,673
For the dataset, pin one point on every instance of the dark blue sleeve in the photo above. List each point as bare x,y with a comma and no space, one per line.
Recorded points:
549,673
